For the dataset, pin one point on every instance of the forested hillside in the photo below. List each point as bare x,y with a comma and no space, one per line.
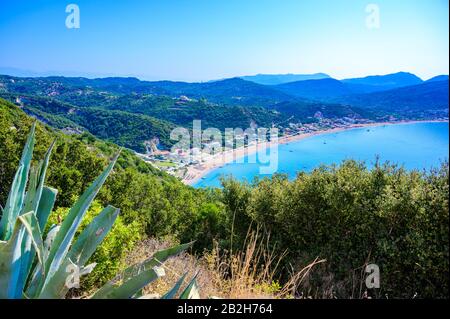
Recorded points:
422,100
151,202
130,112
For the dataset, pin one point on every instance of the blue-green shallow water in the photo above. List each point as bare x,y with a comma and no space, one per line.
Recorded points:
415,145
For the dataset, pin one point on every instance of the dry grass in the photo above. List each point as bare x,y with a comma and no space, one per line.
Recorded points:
174,268
249,273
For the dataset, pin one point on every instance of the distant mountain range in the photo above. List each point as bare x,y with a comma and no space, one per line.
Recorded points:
316,89
329,89
389,81
129,111
438,78
274,79
430,96
234,91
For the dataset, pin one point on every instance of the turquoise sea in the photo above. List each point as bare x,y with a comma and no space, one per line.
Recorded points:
415,146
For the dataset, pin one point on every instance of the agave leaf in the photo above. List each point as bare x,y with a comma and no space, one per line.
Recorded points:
67,278
10,254
139,294
37,279
16,196
36,184
31,192
10,263
27,253
173,291
71,223
45,207
54,229
33,203
85,270
79,253
31,224
48,199
191,291
40,182
93,235
136,277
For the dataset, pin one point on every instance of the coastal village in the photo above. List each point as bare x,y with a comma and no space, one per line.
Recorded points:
192,164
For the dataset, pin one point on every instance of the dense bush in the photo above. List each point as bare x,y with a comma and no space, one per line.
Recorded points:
353,216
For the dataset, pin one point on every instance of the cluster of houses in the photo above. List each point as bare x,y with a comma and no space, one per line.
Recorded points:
180,159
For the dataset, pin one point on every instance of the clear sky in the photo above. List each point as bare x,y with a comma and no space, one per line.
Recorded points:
198,40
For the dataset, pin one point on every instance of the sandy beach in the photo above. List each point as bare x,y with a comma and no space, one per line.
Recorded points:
196,172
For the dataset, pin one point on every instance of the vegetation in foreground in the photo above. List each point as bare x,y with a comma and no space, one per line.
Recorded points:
33,268
352,216
347,215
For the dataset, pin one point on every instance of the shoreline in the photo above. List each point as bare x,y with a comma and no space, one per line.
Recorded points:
196,172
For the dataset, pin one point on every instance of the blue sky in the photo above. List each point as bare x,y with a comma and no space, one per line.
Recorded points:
199,40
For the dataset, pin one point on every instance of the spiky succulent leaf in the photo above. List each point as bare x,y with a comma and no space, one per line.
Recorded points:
93,235
48,199
16,195
32,203
40,181
191,291
136,277
37,278
10,263
31,225
10,254
79,253
25,244
45,207
173,291
69,226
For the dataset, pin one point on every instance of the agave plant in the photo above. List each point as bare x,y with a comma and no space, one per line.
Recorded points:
31,267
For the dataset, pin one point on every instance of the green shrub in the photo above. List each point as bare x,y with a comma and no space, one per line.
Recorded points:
352,216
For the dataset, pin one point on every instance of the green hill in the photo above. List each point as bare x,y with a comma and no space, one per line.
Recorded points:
424,100
126,129
156,201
